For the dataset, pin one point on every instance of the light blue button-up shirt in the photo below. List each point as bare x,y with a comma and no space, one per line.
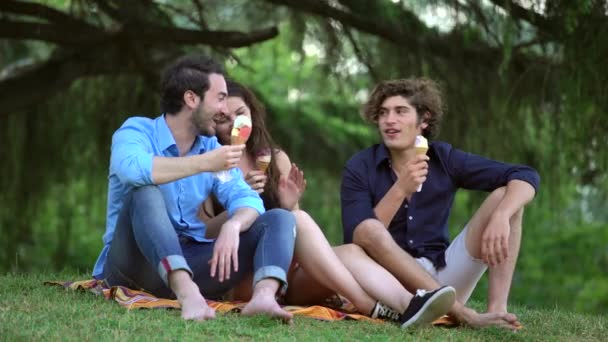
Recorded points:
134,145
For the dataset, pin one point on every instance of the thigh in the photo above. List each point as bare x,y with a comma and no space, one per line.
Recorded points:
462,271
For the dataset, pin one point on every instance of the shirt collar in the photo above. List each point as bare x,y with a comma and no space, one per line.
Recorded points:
164,136
382,154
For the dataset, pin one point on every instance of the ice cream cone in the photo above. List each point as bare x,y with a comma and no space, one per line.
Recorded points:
241,129
422,146
262,165
262,160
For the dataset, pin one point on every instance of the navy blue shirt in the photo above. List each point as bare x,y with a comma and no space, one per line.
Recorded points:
420,226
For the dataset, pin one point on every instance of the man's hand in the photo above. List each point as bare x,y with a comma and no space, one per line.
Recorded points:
225,251
495,240
413,174
223,158
291,188
256,180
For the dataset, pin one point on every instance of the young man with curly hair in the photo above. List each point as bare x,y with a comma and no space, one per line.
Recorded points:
406,231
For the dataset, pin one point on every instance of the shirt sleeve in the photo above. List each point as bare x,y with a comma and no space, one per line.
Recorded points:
131,155
474,172
355,197
236,193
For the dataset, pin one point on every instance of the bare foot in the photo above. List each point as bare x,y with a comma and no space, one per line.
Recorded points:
194,307
493,319
266,305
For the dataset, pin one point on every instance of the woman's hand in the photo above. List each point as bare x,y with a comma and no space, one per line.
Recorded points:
291,188
256,180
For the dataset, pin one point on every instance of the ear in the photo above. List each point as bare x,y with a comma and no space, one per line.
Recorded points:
425,120
191,100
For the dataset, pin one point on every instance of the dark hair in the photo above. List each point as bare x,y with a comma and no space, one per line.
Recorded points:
422,93
187,73
259,140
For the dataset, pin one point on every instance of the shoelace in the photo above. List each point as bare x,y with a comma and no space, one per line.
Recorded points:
387,312
421,292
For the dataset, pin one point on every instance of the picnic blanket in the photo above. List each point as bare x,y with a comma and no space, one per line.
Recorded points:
133,299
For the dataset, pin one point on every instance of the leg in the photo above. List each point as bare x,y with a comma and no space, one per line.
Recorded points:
145,253
374,279
500,276
375,239
273,254
320,263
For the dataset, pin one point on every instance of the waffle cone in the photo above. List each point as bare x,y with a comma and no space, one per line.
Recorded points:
237,140
421,150
262,165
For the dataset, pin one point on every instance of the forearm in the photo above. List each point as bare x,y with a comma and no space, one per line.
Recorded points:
213,225
518,193
169,169
388,206
243,218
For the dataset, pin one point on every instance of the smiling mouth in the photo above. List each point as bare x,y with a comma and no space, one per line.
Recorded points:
391,132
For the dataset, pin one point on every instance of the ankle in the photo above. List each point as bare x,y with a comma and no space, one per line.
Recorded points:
494,308
266,288
182,285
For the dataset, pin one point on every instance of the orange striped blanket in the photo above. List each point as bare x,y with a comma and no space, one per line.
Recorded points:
132,299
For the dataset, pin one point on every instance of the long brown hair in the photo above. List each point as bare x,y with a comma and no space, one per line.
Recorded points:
259,140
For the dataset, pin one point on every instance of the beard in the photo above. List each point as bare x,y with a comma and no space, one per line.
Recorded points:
203,121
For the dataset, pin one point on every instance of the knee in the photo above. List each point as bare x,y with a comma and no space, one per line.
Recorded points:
498,194
304,222
148,198
280,219
146,191
371,235
349,250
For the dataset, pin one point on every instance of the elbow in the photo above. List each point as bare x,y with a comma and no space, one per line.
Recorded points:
129,172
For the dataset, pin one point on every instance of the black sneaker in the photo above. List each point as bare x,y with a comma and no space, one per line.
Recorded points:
427,306
384,312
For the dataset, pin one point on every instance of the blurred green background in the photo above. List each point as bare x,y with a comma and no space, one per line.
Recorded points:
525,82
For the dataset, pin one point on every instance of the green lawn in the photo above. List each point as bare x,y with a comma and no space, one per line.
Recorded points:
31,311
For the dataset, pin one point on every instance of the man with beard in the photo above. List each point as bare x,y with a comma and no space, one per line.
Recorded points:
161,170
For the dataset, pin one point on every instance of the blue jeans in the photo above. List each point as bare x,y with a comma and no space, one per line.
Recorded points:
146,248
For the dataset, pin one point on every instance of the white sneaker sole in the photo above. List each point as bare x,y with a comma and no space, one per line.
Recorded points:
438,305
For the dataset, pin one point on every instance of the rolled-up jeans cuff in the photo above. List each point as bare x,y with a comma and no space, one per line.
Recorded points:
272,272
172,263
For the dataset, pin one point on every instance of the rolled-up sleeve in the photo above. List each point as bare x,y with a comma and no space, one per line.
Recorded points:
236,194
471,171
131,158
355,198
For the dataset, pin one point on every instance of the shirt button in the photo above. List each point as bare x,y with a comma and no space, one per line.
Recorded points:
407,206
411,218
411,242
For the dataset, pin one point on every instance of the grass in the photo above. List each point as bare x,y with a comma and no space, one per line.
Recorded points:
31,311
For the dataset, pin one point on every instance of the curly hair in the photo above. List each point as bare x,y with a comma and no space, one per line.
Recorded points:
422,93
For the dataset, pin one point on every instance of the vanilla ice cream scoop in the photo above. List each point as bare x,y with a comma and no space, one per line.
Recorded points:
421,145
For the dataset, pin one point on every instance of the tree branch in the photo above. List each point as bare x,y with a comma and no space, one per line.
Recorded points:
152,34
54,33
42,12
519,12
431,43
